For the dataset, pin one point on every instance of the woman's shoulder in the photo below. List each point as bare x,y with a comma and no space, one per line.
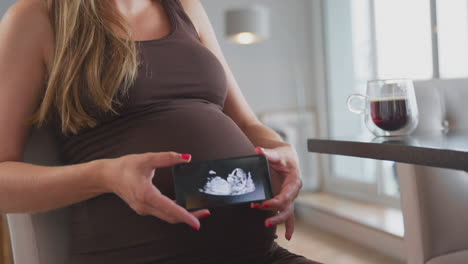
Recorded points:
31,13
191,7
196,12
28,21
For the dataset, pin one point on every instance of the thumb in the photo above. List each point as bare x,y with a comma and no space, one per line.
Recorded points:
166,159
272,155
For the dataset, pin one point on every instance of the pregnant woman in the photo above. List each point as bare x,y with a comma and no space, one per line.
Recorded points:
131,88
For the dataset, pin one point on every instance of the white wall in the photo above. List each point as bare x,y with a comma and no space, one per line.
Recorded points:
265,71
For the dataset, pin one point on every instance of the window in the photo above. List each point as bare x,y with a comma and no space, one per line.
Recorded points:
403,39
452,17
382,39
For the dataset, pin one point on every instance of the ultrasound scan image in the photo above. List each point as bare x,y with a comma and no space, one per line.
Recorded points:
214,183
238,182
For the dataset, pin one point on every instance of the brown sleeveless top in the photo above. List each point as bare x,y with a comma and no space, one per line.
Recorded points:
176,104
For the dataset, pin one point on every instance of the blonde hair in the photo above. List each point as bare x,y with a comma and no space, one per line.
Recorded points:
91,63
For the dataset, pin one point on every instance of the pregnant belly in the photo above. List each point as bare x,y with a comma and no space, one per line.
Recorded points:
106,223
198,128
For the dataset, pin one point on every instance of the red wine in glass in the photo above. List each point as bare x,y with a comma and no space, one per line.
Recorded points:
389,114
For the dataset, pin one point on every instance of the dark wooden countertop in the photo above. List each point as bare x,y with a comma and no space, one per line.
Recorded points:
432,148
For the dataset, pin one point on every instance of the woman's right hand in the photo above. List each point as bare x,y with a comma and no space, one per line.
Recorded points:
130,177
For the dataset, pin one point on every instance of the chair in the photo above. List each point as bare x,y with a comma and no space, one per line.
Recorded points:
40,238
434,200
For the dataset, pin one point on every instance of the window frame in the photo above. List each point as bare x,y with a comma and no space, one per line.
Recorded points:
369,192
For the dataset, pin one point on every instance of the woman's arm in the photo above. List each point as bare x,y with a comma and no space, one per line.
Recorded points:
30,188
24,35
281,156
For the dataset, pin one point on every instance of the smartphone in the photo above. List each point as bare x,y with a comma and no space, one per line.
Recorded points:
222,182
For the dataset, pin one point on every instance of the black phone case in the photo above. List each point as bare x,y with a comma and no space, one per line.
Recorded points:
189,178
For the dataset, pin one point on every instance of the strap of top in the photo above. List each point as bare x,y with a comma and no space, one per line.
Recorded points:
181,16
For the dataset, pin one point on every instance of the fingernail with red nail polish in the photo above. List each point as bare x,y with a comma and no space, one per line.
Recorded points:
259,148
196,228
255,206
269,224
206,215
266,206
186,156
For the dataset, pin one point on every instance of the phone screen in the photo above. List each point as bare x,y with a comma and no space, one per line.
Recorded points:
221,182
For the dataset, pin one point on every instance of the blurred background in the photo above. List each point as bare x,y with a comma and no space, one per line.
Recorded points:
296,62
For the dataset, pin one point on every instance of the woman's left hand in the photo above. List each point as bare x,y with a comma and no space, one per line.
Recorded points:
284,161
